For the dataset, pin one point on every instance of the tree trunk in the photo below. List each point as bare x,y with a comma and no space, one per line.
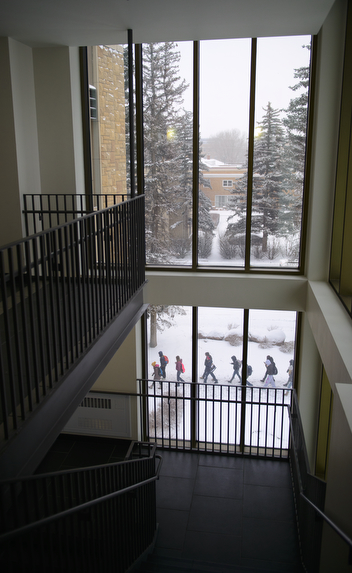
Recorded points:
265,242
153,330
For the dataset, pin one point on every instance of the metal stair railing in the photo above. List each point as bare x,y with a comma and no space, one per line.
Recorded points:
59,289
309,497
44,211
100,518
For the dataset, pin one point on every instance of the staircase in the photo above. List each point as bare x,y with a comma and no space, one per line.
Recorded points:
98,518
155,564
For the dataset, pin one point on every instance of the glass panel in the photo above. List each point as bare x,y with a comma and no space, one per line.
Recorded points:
169,335
279,150
224,119
108,93
220,342
168,136
271,337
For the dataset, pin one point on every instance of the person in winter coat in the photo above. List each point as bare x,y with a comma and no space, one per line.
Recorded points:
266,372
163,364
290,375
249,373
270,368
208,368
156,372
236,367
179,370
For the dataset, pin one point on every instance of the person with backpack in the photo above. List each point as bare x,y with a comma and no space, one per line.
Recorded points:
164,361
179,368
270,371
156,372
236,367
248,374
209,368
266,372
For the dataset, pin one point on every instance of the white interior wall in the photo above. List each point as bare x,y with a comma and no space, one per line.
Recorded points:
325,141
226,290
60,160
23,90
338,502
19,171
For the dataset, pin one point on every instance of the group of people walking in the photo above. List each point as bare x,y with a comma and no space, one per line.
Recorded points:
159,370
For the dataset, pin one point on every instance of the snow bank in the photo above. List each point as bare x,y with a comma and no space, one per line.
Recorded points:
274,336
212,334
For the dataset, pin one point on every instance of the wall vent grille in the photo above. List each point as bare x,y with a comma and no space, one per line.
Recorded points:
90,402
102,414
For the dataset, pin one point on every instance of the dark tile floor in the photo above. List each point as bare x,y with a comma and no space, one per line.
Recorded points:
235,512
232,511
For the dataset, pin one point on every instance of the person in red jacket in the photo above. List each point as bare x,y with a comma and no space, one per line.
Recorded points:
209,367
179,370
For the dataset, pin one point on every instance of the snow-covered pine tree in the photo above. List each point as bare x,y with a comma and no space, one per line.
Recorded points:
162,102
168,139
268,183
295,123
183,207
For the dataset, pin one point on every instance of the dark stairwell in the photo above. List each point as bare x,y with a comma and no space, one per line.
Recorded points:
215,513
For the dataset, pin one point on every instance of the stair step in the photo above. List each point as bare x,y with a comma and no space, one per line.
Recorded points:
159,564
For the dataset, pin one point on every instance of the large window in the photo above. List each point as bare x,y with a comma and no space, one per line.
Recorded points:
250,138
228,403
223,164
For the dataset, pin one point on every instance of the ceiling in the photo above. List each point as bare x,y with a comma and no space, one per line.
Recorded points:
91,22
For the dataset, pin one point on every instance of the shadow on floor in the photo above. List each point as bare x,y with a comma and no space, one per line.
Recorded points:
237,512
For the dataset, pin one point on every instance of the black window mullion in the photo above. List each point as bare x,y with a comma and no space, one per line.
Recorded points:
250,154
195,155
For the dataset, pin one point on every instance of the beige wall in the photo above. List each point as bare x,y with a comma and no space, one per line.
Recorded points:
325,141
19,173
338,503
230,290
121,373
59,123
41,138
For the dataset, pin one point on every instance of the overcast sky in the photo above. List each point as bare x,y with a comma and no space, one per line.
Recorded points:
225,76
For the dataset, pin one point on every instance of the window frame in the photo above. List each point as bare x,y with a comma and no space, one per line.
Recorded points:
247,268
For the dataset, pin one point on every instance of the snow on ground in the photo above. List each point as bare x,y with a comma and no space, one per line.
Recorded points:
266,422
217,322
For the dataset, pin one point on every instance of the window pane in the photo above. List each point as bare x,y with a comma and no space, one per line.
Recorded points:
170,335
271,336
271,332
168,136
170,332
107,70
279,150
220,341
220,333
224,117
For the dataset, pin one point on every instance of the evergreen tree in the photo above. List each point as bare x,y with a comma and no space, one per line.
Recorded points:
268,182
162,99
168,139
295,123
